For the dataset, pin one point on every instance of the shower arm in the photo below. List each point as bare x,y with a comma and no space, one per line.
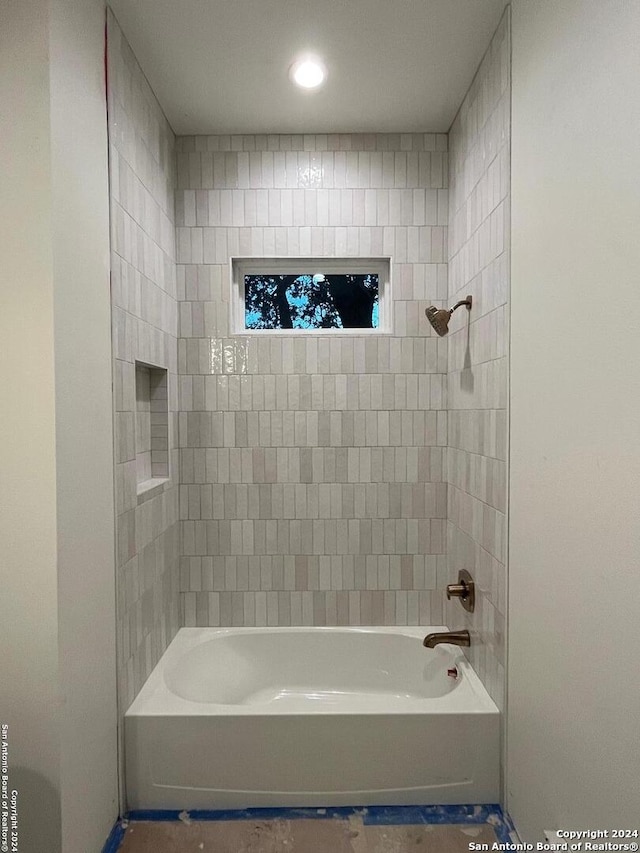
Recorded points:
466,302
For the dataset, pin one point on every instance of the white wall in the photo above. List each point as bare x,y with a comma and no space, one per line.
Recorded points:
56,513
28,627
574,542
84,431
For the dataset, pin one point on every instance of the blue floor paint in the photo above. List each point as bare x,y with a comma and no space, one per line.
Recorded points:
114,840
394,815
247,814
503,826
491,815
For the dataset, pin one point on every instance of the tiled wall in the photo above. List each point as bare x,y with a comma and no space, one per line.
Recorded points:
312,467
144,316
322,479
479,143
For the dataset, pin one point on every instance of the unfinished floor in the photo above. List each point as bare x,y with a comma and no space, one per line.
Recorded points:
332,835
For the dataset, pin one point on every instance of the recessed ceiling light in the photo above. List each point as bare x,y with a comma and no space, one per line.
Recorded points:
308,72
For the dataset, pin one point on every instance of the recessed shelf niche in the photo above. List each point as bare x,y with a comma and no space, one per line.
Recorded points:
152,427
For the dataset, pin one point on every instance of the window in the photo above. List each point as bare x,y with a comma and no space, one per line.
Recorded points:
311,295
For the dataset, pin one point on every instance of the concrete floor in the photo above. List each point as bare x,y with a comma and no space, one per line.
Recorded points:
331,835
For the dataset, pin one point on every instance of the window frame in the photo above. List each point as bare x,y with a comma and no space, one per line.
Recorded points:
277,265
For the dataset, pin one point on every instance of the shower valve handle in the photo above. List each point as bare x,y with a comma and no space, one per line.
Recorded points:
465,590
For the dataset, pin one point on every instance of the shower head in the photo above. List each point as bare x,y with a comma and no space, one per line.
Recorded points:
439,317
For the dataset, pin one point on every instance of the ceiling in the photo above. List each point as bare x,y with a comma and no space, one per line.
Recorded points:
221,66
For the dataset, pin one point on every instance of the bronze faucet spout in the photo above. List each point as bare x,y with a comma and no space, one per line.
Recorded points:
456,638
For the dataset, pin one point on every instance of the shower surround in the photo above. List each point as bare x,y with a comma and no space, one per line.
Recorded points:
477,372
312,487
144,328
336,480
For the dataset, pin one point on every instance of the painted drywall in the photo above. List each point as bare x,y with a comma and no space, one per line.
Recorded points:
84,431
223,67
29,623
58,602
574,540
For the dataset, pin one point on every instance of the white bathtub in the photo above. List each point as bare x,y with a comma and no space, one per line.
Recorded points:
249,717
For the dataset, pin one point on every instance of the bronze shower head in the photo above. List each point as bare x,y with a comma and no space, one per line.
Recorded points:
439,317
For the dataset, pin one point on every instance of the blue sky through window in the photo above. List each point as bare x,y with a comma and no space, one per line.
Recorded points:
311,301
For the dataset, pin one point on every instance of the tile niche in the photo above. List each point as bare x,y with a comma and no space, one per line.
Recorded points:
152,428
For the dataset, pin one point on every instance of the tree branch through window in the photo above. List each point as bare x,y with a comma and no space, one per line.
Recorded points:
311,301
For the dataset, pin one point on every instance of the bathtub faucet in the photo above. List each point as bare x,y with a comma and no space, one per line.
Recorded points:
457,638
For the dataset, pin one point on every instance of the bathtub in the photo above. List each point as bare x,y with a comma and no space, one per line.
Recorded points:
235,718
